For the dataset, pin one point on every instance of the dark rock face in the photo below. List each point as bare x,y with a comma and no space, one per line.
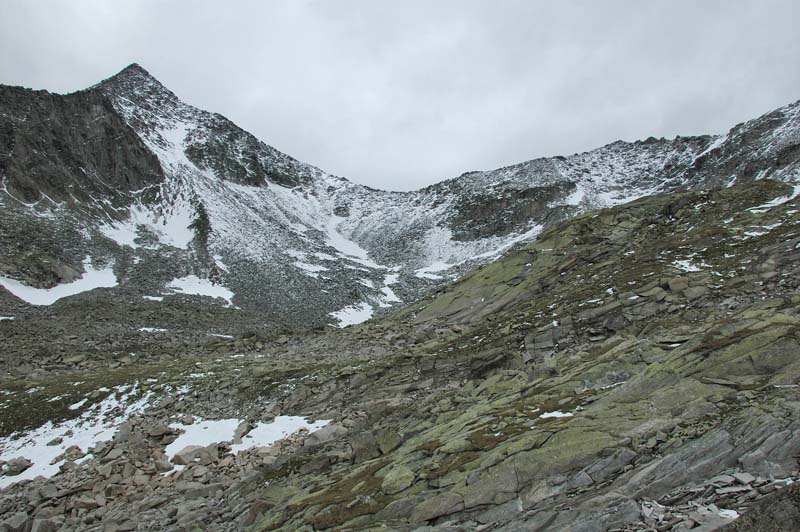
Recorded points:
244,164
480,216
74,149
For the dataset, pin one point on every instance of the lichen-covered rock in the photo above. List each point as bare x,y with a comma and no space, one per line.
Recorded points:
397,479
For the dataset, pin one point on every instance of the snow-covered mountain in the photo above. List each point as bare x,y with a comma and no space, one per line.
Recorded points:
126,177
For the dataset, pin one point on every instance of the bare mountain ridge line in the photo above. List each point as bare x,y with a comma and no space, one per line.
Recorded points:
137,70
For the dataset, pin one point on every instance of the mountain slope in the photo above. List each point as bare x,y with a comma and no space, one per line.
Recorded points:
165,191
634,368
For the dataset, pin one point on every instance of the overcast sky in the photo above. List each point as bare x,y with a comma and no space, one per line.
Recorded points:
403,94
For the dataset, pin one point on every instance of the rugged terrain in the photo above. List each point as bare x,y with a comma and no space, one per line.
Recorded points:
601,341
634,368
177,202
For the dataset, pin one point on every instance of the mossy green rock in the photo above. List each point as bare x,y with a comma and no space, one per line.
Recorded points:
397,479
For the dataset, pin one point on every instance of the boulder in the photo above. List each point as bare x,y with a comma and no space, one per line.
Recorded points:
397,479
45,525
324,435
695,292
15,466
678,284
16,523
186,455
437,506
242,430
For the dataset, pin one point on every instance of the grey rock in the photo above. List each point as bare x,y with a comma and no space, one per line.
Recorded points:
16,523
45,525
325,434
397,479
15,466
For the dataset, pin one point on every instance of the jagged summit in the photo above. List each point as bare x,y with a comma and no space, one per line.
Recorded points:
136,84
132,71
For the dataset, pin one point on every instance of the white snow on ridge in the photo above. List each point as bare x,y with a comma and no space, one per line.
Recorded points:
719,141
193,285
90,280
353,314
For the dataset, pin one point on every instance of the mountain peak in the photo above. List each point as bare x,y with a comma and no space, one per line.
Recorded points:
134,68
132,71
131,80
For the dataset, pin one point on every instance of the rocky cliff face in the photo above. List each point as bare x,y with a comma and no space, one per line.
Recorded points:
70,149
120,172
634,368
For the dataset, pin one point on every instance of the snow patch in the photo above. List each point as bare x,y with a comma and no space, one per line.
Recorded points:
777,201
353,314
311,268
98,423
576,197
206,432
556,413
171,228
193,285
389,296
221,265
426,272
90,280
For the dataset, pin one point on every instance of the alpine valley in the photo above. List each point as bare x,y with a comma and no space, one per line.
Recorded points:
200,332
